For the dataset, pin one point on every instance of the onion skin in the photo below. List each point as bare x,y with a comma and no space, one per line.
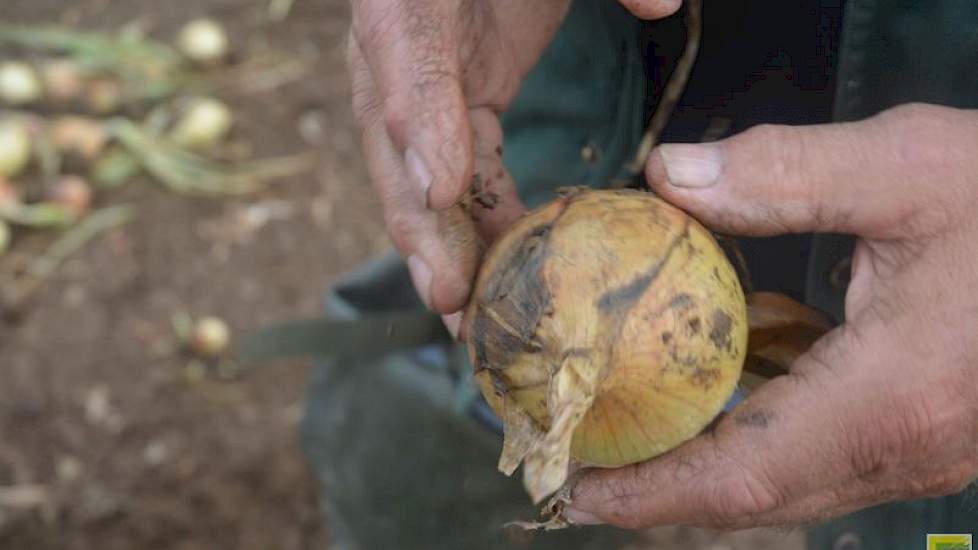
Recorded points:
19,84
608,327
74,194
203,41
210,337
79,135
15,147
63,80
204,123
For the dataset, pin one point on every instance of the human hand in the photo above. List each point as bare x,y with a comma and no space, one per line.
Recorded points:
429,80
883,408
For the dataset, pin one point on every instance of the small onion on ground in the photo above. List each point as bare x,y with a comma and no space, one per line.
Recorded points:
210,337
9,194
15,147
19,84
72,193
202,124
104,96
63,80
86,137
203,41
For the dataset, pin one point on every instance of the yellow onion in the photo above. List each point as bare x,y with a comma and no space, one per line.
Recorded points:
203,41
63,80
73,193
4,237
607,327
9,194
203,124
82,136
210,337
15,147
104,95
19,84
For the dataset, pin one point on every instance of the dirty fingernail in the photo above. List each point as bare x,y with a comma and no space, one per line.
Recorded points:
418,173
689,165
579,517
421,277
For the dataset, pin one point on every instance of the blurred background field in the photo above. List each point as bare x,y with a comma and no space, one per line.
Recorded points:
111,435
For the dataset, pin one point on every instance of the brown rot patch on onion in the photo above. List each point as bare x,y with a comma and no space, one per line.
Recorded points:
720,333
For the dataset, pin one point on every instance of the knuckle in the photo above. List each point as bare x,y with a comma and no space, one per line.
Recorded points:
734,501
400,227
915,115
951,481
397,115
783,150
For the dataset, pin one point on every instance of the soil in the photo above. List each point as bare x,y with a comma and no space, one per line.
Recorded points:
110,437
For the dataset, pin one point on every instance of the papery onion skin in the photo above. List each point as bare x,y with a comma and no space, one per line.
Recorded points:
203,41
204,123
15,147
19,84
621,282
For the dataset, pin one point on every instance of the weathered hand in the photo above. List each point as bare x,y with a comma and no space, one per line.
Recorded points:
883,408
429,79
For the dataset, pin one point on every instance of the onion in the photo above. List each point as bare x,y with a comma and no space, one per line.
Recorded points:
9,195
103,96
83,136
4,237
203,41
607,327
19,83
210,337
203,124
73,193
63,80
15,147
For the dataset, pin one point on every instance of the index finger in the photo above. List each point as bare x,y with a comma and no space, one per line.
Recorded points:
412,52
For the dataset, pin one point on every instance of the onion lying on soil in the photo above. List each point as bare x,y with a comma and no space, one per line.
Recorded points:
83,136
63,80
210,337
15,147
203,41
19,84
204,123
73,193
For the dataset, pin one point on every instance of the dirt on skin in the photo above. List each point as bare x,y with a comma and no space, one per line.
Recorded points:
108,440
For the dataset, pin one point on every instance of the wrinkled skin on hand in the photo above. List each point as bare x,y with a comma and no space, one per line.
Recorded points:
883,408
430,78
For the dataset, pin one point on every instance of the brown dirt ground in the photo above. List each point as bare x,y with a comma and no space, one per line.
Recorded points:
97,410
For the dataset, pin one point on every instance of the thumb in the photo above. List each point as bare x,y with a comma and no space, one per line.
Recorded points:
862,177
